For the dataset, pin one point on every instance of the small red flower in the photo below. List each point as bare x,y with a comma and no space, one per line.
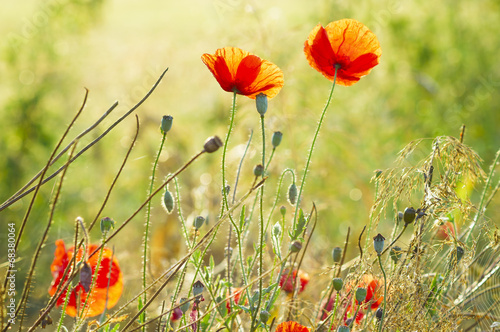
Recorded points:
445,231
346,44
287,280
244,73
100,292
291,326
236,299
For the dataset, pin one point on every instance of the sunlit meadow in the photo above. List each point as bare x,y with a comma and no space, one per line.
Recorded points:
431,101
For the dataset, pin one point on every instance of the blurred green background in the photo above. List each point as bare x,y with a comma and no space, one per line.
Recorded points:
439,69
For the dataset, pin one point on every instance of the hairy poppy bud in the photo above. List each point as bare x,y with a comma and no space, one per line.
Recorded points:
198,222
337,254
212,144
396,253
276,140
198,288
168,201
343,328
361,294
409,215
166,123
283,210
107,224
261,103
264,316
378,243
86,276
338,283
292,194
258,170
277,229
295,246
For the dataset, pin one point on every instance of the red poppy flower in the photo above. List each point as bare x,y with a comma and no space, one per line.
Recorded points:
445,231
346,44
236,299
99,292
287,280
243,72
291,326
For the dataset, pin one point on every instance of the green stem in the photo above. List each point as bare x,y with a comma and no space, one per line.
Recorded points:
304,176
385,294
146,232
224,152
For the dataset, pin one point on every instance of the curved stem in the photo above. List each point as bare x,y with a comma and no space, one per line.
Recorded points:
146,232
304,176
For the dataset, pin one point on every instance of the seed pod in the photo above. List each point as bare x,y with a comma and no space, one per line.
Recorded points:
261,103
378,243
198,288
283,211
409,215
107,224
338,283
184,307
295,246
168,201
361,294
292,194
337,254
344,328
379,313
276,140
258,170
396,253
212,144
166,123
264,316
198,222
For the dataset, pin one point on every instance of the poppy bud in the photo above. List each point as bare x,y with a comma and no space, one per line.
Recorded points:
212,144
457,255
227,189
378,172
295,246
168,201
198,222
396,253
292,194
277,229
86,276
264,316
343,328
337,254
166,123
276,140
258,170
185,306
283,210
338,283
378,243
107,224
261,103
361,294
198,288
379,313
409,215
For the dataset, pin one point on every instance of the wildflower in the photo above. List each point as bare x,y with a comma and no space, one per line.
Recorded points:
287,280
236,299
347,45
176,314
100,292
373,295
244,73
445,231
291,326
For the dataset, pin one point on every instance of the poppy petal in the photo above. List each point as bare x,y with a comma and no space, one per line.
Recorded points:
291,326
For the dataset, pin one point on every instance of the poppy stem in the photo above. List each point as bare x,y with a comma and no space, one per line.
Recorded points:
385,293
312,148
